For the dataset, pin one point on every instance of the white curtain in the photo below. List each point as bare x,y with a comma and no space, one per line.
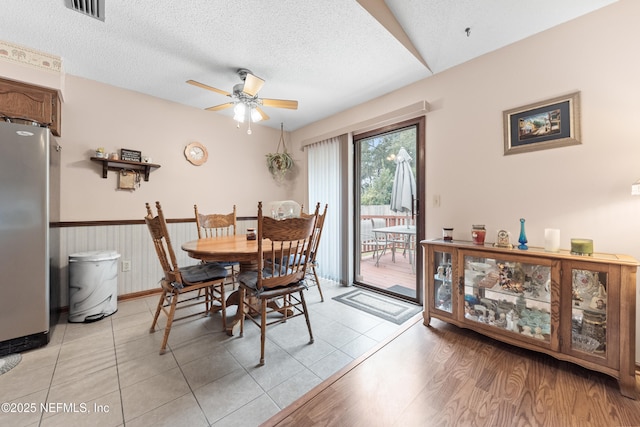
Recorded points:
325,183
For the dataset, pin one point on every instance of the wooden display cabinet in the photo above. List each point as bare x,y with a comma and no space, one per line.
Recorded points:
32,103
580,309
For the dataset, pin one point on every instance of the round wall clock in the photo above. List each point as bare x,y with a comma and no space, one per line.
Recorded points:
196,153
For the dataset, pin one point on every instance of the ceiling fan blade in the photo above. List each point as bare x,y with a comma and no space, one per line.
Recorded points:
280,103
211,88
220,107
262,113
252,84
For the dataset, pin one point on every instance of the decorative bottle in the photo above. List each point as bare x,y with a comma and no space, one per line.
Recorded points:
523,237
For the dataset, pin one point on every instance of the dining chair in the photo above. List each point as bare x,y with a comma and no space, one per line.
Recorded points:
278,283
215,225
311,273
178,282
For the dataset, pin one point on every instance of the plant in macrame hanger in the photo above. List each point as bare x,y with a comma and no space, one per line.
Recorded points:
279,163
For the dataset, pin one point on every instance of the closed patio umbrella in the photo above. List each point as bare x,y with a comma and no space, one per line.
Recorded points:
403,191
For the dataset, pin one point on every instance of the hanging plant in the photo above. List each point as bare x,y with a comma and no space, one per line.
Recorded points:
279,163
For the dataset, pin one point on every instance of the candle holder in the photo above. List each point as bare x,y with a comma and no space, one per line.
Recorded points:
582,247
551,240
478,233
447,234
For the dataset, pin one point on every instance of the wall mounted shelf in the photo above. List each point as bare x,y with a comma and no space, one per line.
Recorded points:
119,165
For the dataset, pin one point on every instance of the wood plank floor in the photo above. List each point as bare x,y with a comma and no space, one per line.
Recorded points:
446,376
388,273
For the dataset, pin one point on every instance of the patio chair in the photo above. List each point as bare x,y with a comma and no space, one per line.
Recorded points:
371,242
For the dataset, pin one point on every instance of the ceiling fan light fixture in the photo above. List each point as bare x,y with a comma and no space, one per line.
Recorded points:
239,112
244,99
240,108
255,115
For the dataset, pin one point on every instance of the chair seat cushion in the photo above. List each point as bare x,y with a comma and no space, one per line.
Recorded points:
203,272
250,278
292,259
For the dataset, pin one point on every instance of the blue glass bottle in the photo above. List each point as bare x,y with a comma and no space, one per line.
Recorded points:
523,237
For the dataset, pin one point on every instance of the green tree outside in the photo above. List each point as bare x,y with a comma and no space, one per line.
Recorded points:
378,166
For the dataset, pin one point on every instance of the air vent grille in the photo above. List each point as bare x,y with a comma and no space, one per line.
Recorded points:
93,8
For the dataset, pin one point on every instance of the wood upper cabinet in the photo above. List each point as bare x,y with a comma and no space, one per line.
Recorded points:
575,308
34,103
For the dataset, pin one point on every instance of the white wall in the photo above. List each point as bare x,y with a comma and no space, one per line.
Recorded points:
583,190
97,115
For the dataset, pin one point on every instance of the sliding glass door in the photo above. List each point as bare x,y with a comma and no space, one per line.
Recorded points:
389,182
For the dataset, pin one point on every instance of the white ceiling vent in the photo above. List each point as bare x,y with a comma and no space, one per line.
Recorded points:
93,8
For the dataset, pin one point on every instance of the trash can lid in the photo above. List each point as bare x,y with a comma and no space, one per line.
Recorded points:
94,256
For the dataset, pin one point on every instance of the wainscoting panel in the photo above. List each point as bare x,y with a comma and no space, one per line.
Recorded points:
133,243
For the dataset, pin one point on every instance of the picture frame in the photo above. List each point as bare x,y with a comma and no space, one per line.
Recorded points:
542,125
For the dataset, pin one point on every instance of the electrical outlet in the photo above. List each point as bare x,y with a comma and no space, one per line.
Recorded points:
126,265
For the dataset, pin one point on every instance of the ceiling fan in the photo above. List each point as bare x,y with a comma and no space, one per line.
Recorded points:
245,98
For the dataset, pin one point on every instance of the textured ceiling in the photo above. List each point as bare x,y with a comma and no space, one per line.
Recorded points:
329,55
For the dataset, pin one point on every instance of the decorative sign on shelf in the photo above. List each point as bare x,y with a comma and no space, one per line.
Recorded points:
130,155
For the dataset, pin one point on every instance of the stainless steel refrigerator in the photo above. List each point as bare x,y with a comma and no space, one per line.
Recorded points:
25,300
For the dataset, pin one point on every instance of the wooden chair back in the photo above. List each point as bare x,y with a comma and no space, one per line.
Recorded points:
283,248
215,225
317,230
162,243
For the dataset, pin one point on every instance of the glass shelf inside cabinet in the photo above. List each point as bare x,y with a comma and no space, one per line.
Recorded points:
589,315
514,296
442,281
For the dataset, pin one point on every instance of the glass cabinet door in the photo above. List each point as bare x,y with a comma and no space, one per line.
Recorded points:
509,295
589,290
442,296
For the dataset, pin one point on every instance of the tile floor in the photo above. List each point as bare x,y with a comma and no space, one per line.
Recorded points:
109,373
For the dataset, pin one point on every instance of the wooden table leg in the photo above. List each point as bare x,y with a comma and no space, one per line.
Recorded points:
233,299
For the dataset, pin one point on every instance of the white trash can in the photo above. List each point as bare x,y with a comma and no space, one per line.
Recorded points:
93,285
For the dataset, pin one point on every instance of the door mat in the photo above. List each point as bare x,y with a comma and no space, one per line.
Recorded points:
9,362
387,308
402,290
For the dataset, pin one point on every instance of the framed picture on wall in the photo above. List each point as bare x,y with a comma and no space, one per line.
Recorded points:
542,125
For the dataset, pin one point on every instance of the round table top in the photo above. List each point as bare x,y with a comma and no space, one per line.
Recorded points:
224,248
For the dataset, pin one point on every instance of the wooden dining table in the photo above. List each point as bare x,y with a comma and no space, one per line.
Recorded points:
226,249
